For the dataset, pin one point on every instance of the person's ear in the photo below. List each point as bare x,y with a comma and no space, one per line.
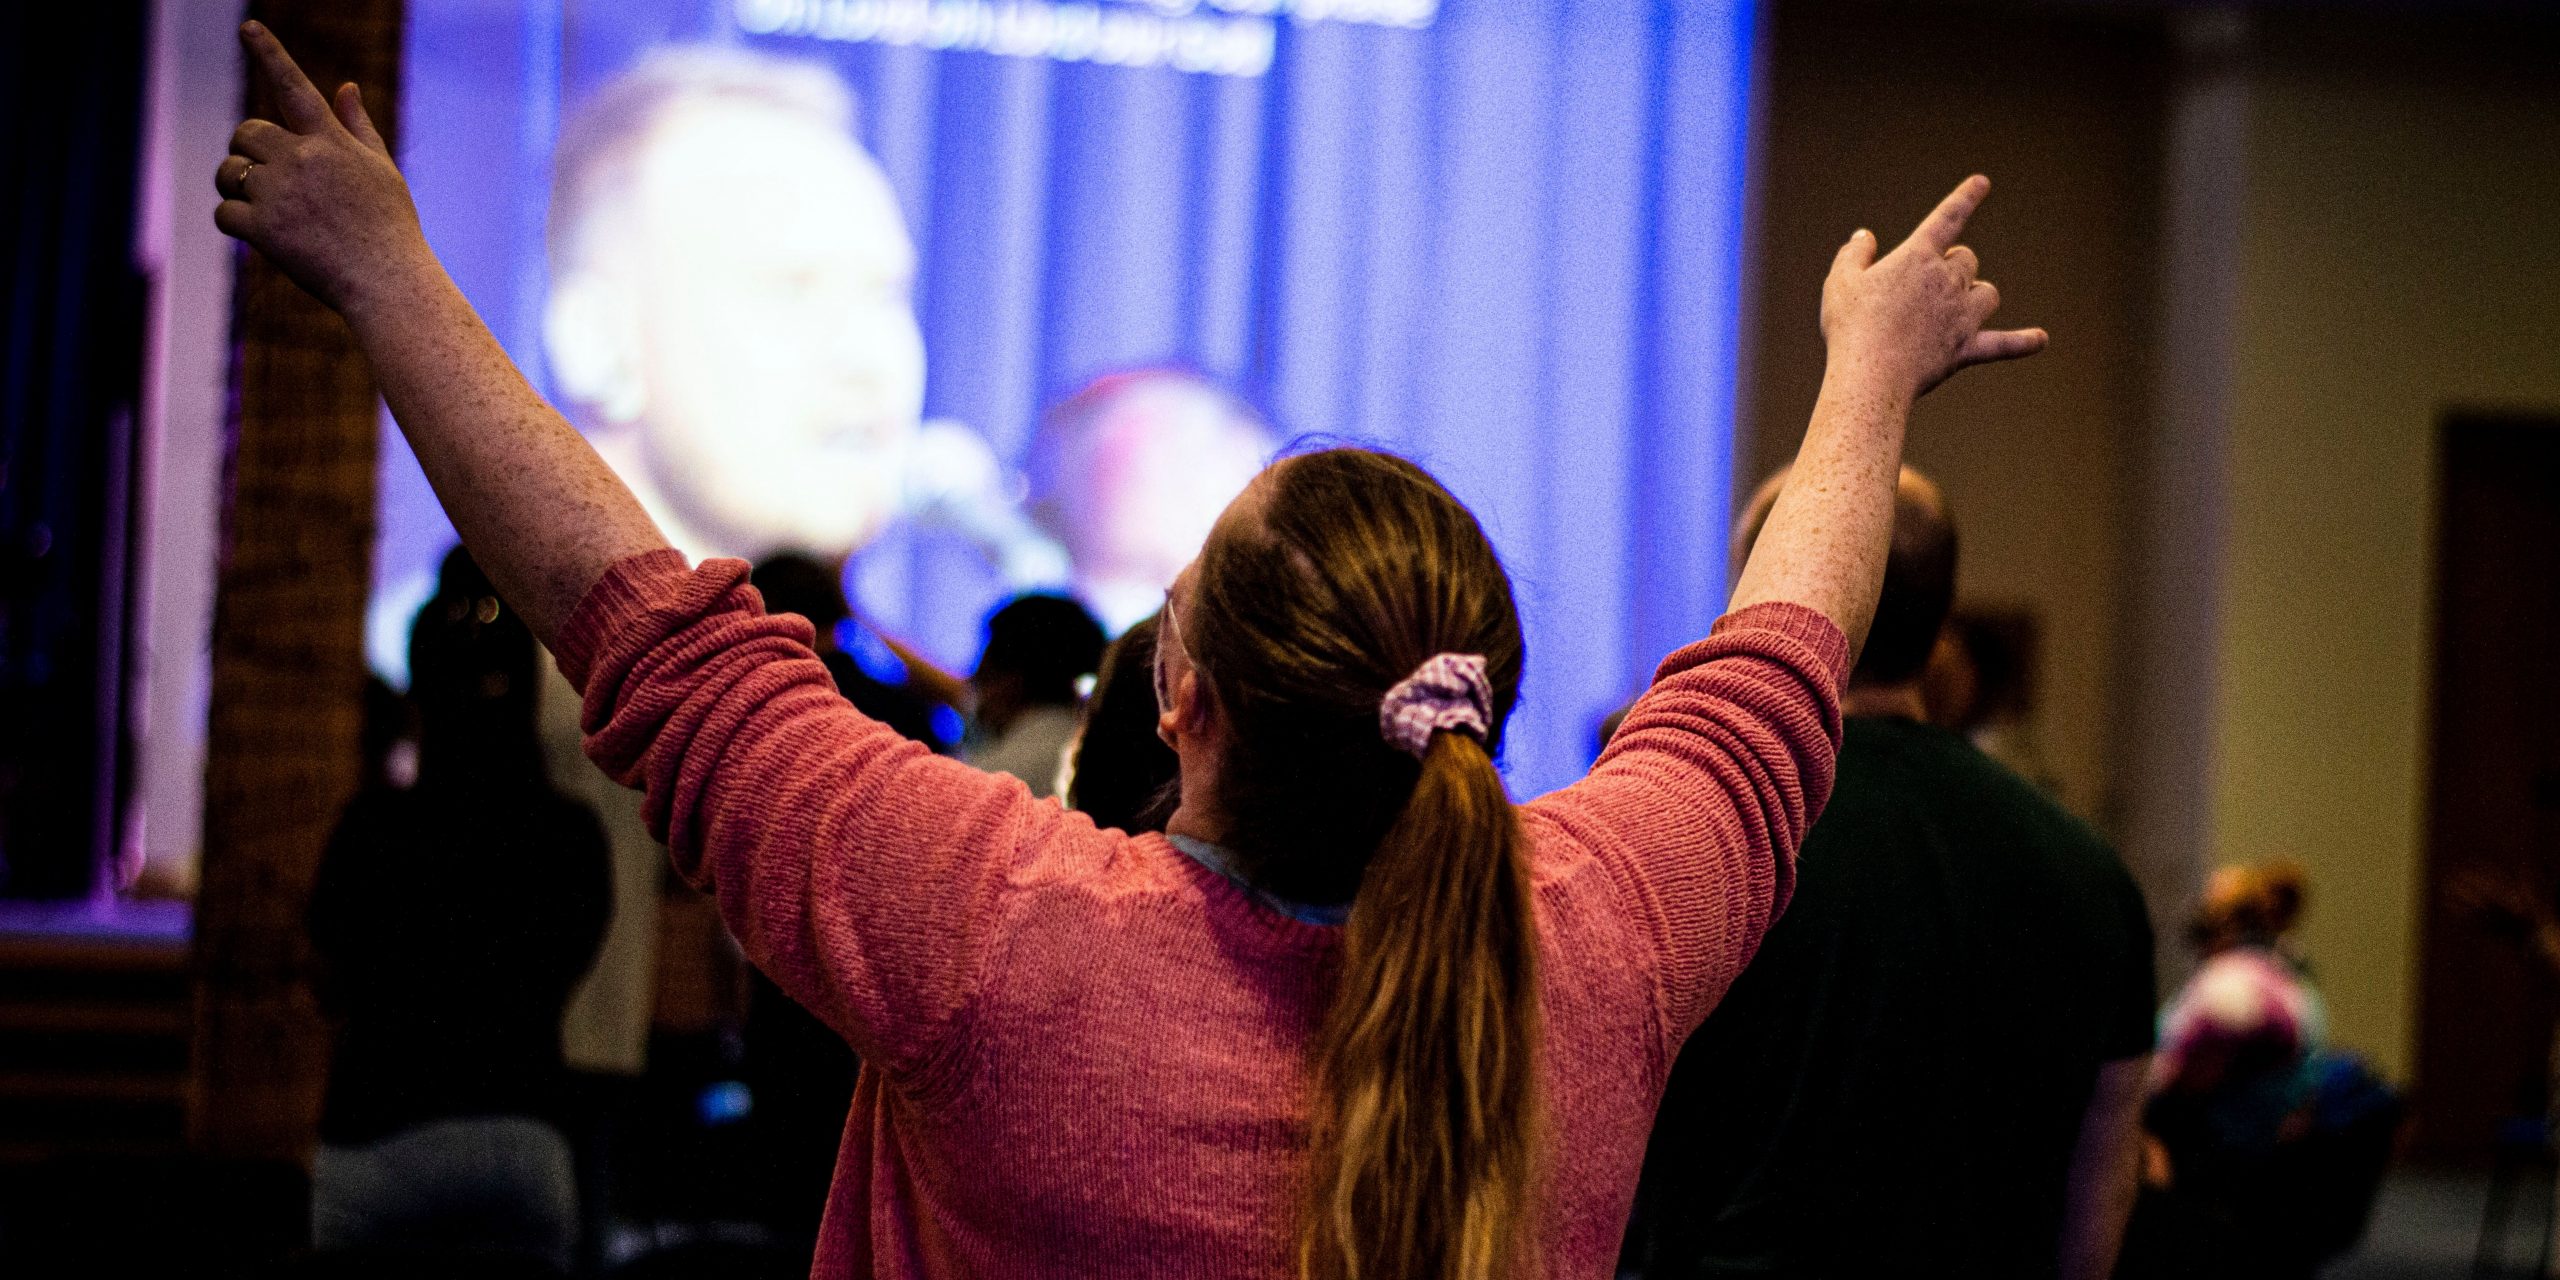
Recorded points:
1181,710
590,332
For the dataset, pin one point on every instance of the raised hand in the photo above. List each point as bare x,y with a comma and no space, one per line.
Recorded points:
1915,316
1896,326
318,193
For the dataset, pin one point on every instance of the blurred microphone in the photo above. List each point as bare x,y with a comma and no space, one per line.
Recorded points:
953,482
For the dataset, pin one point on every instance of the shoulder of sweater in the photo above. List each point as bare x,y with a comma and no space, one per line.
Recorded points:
1561,860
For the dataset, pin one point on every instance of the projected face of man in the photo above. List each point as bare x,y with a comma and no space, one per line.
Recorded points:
776,366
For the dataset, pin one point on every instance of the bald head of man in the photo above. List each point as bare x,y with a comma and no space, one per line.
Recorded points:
1919,577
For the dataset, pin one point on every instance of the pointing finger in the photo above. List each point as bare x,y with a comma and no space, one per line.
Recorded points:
1938,232
302,107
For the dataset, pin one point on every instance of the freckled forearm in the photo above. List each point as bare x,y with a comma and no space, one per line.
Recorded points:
543,515
1825,542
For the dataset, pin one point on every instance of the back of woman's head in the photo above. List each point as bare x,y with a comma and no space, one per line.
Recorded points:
1345,578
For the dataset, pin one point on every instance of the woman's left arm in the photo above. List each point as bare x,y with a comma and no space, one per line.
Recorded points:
318,194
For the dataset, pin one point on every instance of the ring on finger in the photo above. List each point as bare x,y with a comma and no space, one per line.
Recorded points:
241,183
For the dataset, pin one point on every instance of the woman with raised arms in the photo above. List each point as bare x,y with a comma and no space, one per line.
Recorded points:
1355,1014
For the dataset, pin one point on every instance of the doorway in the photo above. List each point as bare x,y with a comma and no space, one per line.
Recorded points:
2486,1001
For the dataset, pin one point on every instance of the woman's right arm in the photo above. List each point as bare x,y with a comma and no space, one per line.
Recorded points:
864,874
318,194
870,878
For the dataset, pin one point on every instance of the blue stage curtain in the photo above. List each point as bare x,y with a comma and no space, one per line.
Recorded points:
1507,244
70,349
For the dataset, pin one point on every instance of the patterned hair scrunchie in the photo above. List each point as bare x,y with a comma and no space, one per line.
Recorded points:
1448,692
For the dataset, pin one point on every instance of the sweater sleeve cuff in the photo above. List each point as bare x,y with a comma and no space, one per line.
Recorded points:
620,598
1819,635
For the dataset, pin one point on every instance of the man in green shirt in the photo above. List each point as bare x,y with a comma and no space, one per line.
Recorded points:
1934,1065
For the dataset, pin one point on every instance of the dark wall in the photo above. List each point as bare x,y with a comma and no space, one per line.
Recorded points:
1872,112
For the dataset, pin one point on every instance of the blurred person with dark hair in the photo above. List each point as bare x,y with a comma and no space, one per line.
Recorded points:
439,1130
1120,773
1935,1064
1021,706
795,583
1025,693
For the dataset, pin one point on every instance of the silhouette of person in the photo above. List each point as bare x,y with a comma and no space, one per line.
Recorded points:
451,920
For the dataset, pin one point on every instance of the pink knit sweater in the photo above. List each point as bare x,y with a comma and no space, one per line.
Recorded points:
1084,1052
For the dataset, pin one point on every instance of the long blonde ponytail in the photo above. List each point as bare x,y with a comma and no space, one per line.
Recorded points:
1427,1127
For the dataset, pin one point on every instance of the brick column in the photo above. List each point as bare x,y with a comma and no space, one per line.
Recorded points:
288,652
